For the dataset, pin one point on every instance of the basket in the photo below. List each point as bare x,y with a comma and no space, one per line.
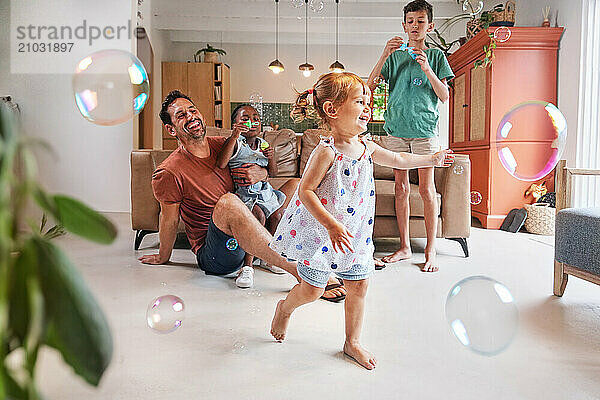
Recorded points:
503,16
540,219
499,16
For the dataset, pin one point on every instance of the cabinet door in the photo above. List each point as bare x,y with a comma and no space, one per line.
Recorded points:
458,110
201,89
477,106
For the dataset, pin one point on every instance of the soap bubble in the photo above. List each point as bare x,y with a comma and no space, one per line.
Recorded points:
476,198
471,8
231,244
502,34
459,169
238,347
530,139
482,315
316,6
165,313
110,87
256,101
297,3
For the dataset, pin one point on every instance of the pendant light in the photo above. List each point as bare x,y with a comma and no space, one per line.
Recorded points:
306,68
336,66
276,66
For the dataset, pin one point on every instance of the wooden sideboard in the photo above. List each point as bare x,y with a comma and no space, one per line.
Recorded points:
524,69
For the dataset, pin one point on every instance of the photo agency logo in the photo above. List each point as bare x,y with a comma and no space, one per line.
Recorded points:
53,38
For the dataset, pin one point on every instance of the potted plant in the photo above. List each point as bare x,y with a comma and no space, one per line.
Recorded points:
44,301
210,54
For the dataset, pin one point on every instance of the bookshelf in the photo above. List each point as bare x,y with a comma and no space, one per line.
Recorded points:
207,84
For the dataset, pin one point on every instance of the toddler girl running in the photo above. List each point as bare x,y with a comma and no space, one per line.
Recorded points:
328,224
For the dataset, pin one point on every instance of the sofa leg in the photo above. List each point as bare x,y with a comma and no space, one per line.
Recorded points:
463,244
560,278
139,235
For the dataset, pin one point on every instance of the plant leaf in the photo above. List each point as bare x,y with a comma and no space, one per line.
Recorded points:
77,327
9,386
19,305
45,202
81,220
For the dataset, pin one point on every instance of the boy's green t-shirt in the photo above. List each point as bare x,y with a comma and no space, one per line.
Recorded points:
412,110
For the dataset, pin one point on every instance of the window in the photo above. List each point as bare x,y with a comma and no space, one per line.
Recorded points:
380,99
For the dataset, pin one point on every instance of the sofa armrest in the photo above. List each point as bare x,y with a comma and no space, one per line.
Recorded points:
456,201
144,207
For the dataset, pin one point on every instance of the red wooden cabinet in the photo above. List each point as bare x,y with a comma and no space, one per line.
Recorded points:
524,69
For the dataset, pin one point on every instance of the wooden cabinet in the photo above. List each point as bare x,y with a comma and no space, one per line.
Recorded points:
524,69
207,84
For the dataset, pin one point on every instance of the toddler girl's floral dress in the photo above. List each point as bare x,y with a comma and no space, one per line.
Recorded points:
348,193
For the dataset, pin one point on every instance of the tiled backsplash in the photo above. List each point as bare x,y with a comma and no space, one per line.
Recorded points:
279,113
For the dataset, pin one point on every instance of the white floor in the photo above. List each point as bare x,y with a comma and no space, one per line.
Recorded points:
223,350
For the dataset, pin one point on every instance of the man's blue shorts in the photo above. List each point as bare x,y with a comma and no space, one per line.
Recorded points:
221,253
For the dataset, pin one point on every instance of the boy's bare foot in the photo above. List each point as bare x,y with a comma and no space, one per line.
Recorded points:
430,264
280,322
398,255
360,355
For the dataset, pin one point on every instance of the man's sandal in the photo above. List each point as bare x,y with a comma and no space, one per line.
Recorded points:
337,298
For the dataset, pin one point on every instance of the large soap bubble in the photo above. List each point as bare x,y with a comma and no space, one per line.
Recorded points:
482,314
110,87
530,139
165,313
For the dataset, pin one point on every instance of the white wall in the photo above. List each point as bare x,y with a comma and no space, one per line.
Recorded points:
529,13
92,162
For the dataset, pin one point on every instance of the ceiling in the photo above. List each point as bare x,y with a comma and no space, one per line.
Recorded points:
361,22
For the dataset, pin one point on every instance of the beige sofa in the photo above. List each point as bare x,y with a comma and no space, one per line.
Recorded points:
291,152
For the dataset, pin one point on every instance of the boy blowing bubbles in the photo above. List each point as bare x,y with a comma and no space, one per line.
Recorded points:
417,81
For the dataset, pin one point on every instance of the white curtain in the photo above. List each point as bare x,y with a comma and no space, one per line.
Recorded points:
587,189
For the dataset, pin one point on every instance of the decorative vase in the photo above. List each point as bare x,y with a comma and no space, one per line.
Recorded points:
211,57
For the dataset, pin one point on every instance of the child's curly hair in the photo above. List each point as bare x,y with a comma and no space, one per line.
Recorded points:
333,87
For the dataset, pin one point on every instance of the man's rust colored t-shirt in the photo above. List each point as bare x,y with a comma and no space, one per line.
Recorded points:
196,183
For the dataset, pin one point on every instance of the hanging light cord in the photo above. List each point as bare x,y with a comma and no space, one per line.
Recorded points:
337,3
306,32
277,30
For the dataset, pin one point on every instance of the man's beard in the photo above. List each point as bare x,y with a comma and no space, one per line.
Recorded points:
195,135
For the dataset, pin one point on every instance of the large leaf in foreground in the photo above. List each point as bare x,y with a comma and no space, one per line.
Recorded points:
77,326
81,220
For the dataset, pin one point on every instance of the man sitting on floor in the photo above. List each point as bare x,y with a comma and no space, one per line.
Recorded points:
219,226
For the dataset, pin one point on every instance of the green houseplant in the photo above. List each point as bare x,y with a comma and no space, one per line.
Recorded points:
43,299
210,54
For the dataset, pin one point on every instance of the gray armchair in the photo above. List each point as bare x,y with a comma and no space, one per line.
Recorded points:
577,240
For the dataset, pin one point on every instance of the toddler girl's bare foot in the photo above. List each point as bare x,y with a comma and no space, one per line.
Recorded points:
398,255
360,355
280,322
430,261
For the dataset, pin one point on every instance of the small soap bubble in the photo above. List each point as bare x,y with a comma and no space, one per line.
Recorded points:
238,347
255,310
165,313
472,7
476,198
254,293
110,87
459,169
316,6
530,139
502,34
482,315
297,3
231,244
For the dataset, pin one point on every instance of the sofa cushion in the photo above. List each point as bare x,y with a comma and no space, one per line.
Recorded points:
213,131
379,171
285,145
310,140
385,200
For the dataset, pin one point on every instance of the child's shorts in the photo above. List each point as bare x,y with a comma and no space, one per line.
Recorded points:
319,278
423,146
